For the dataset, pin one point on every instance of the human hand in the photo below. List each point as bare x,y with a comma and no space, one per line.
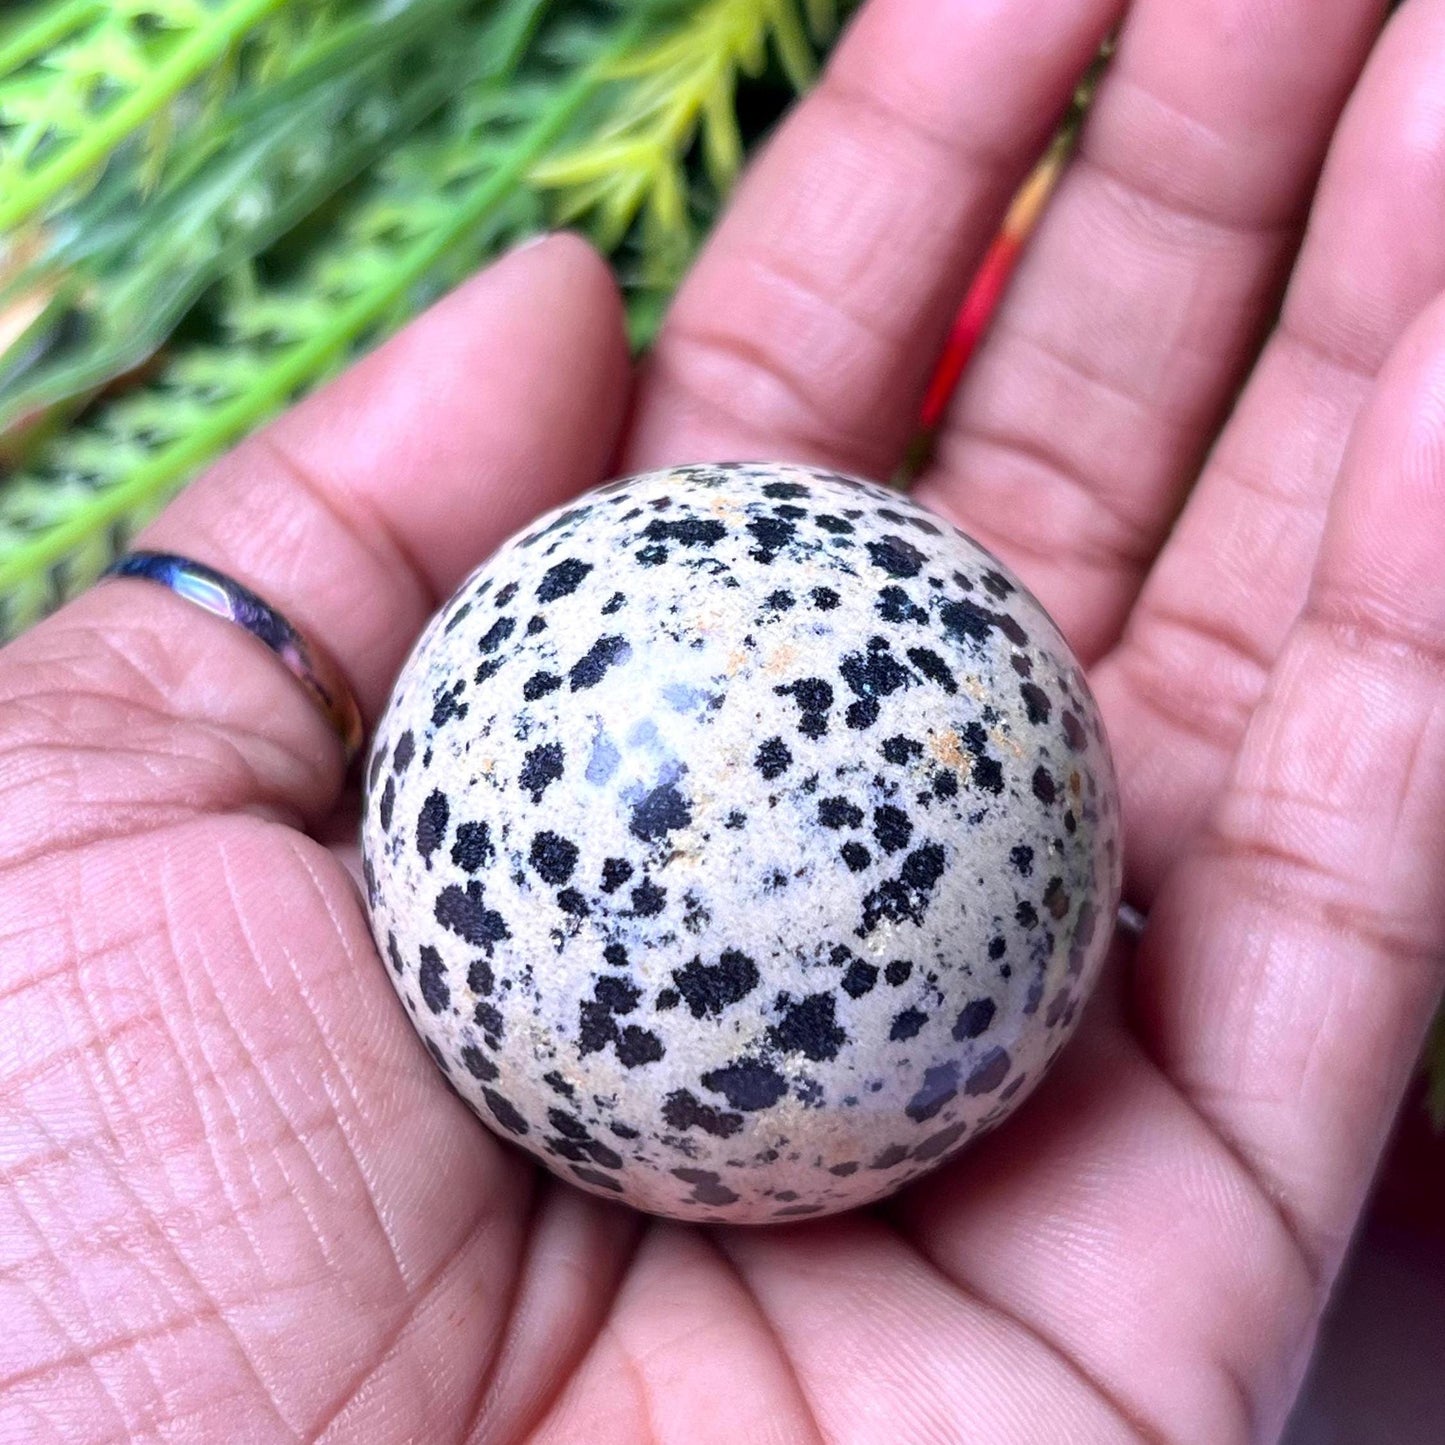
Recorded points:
239,1202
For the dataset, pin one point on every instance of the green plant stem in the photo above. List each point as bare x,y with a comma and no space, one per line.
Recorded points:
190,59
294,368
54,23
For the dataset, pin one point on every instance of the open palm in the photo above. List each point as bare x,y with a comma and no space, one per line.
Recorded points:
239,1202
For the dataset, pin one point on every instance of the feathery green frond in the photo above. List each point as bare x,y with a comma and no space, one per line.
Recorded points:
402,246
68,106
122,267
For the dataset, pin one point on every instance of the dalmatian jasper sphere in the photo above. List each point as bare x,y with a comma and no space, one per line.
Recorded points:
742,840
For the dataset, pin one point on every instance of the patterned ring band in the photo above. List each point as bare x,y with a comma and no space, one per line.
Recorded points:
227,599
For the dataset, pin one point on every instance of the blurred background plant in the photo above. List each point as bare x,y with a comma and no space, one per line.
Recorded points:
209,206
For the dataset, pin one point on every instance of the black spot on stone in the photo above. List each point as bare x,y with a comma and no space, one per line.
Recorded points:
652,555
387,803
748,1084
568,1124
668,998
975,1018
477,1064
394,953
785,491
891,828
648,900
898,971
505,595
967,621
480,978
860,978
875,673
1022,858
907,1024
772,534
939,1087
434,990
496,634
810,1027
836,525
900,750
1036,702
563,579
997,584
1073,732
856,856
463,912
472,847
812,694
824,598
710,988
990,1071
923,867
895,556
682,1110
589,1175
613,604
624,1131
541,767
690,531
938,1143
616,995
773,758
570,901
707,1188
590,669
559,1085
997,947
487,1018
659,813
893,1155
448,708
378,761
540,684
504,1112
843,1170
1026,915
933,667
638,1046
839,813
735,820
403,753
862,713
458,617
438,1058
779,601
945,784
1045,789
553,856
431,824
536,624
615,872
895,605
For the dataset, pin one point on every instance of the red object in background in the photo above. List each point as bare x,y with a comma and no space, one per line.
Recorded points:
989,281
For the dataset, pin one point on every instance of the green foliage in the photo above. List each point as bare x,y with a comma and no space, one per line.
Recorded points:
270,252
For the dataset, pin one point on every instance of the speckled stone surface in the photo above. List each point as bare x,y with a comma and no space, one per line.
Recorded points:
742,841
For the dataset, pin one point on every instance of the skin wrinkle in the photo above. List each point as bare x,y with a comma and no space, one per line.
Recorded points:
330,1051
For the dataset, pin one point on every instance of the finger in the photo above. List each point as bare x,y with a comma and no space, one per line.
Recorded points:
1108,1221
810,324
353,515
1140,300
1294,957
1179,690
